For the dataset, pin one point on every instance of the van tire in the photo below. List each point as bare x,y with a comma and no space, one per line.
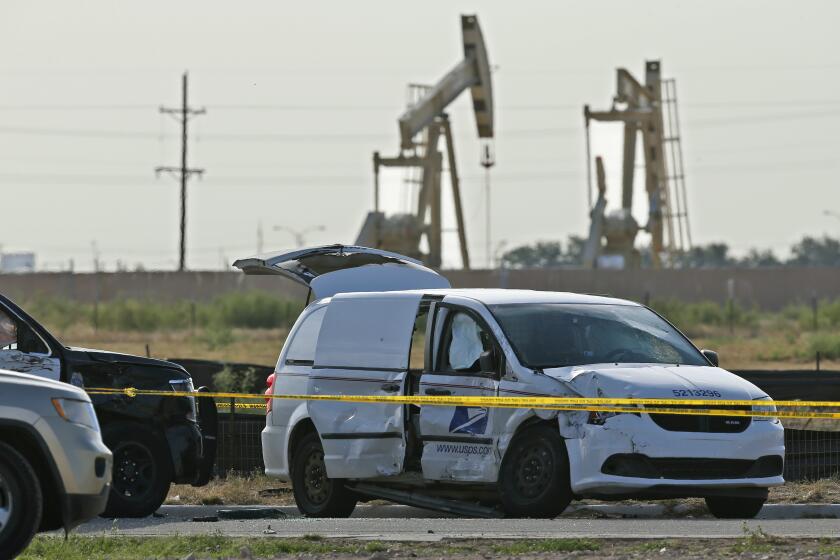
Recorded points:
534,476
315,494
20,502
142,471
724,507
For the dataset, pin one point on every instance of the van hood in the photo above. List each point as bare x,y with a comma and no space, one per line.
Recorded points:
655,381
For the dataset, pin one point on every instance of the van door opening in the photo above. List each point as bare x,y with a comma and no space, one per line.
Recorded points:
463,359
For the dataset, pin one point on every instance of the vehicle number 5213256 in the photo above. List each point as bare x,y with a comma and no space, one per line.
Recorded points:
695,393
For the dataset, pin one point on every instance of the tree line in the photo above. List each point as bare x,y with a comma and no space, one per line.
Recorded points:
808,252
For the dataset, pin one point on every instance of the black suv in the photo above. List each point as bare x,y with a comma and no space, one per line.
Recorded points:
155,440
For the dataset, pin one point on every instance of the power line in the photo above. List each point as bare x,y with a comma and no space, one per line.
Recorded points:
305,107
183,172
351,181
357,136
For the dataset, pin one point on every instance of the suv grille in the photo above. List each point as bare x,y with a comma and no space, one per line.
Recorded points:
696,423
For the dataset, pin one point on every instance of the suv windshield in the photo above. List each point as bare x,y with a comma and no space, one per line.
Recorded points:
546,335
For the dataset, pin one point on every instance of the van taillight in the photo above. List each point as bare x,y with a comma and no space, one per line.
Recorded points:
269,383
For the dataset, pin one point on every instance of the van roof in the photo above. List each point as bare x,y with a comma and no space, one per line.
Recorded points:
498,296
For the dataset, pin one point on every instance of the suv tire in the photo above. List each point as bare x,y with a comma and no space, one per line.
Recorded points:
315,494
142,471
724,507
20,502
534,476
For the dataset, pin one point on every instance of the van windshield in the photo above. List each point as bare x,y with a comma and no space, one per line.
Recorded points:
547,335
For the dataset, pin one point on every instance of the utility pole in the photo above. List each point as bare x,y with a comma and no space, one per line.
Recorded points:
183,172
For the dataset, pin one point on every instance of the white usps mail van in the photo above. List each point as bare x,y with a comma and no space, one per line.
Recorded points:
383,324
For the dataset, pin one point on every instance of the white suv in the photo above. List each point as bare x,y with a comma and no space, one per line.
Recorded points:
383,324
54,469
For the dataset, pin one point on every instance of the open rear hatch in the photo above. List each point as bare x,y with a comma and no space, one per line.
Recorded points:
333,269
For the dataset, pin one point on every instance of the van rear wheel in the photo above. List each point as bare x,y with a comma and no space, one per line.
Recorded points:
317,495
534,478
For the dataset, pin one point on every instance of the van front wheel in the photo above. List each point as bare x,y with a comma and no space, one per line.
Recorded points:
534,478
724,507
317,495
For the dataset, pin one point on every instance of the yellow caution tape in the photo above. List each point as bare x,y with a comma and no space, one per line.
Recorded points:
616,405
240,405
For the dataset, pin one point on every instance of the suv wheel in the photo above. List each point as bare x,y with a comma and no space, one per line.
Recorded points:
142,471
734,508
20,502
534,477
315,494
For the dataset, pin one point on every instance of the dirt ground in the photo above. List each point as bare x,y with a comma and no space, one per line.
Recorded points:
261,490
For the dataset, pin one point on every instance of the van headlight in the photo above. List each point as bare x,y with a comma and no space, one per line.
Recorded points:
77,412
769,408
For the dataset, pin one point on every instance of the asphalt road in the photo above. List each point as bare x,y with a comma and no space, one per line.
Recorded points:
404,523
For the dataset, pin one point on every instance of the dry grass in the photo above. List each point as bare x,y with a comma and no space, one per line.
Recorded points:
256,489
744,349
824,491
766,341
253,346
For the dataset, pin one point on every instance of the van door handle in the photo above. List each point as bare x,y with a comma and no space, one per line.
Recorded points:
438,392
390,387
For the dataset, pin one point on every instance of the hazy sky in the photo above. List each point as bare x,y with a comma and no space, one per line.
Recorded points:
299,95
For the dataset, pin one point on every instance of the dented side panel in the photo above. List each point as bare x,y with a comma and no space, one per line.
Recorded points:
363,349
459,442
360,439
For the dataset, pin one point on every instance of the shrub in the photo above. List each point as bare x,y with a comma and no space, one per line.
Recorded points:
243,381
255,310
828,345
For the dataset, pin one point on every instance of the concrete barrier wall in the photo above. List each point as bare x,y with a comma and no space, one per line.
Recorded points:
764,288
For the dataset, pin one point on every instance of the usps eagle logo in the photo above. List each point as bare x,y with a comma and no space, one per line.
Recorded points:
468,420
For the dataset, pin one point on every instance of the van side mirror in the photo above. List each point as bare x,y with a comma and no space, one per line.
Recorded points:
712,356
487,362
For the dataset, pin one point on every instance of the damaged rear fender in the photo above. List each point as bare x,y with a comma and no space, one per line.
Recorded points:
303,426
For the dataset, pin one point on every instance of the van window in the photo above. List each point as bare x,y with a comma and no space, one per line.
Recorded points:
302,347
547,335
464,342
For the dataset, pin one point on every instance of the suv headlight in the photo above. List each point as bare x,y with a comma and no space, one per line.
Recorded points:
769,408
77,412
186,386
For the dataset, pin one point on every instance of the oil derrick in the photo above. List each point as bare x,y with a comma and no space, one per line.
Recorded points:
649,111
422,128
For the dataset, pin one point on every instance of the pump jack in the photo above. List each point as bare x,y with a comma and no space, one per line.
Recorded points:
426,119
644,110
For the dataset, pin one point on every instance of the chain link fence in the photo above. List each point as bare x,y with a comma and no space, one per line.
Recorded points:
239,448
